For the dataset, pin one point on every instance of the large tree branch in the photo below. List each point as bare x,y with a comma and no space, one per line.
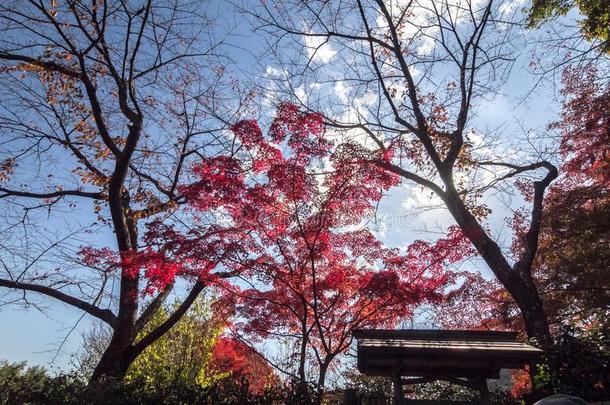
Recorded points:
162,329
153,307
404,67
157,208
61,193
515,170
411,176
104,314
379,74
466,88
48,65
96,109
524,265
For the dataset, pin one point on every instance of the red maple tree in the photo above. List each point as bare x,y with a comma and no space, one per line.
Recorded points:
585,127
311,271
244,364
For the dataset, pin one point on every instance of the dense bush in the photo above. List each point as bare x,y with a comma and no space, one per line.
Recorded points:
578,364
225,392
33,385
22,385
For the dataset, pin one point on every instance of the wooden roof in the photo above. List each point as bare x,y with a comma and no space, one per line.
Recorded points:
448,353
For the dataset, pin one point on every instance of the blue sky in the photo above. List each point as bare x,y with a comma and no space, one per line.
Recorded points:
34,336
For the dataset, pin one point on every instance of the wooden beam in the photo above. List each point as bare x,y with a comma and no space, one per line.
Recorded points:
433,402
398,398
412,334
418,380
484,392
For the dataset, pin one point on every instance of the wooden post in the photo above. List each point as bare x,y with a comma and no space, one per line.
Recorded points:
484,392
398,398
349,397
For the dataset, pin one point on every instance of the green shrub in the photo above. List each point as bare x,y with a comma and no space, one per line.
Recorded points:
578,364
20,384
33,385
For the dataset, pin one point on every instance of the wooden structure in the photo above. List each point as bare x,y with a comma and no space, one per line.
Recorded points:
467,358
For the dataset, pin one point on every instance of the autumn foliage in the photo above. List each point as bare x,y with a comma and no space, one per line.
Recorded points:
276,221
131,111
289,217
572,267
285,215
241,364
585,127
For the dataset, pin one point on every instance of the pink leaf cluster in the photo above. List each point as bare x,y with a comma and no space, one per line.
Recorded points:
585,126
293,207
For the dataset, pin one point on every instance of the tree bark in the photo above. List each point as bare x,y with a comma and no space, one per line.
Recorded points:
115,361
519,284
321,381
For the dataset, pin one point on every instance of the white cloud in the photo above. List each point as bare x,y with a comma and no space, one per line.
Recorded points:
319,49
270,96
419,197
275,72
301,94
476,139
510,6
354,110
342,91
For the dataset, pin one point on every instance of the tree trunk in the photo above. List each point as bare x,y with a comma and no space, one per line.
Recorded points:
321,381
113,365
532,309
117,357
303,350
519,283
302,389
109,372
